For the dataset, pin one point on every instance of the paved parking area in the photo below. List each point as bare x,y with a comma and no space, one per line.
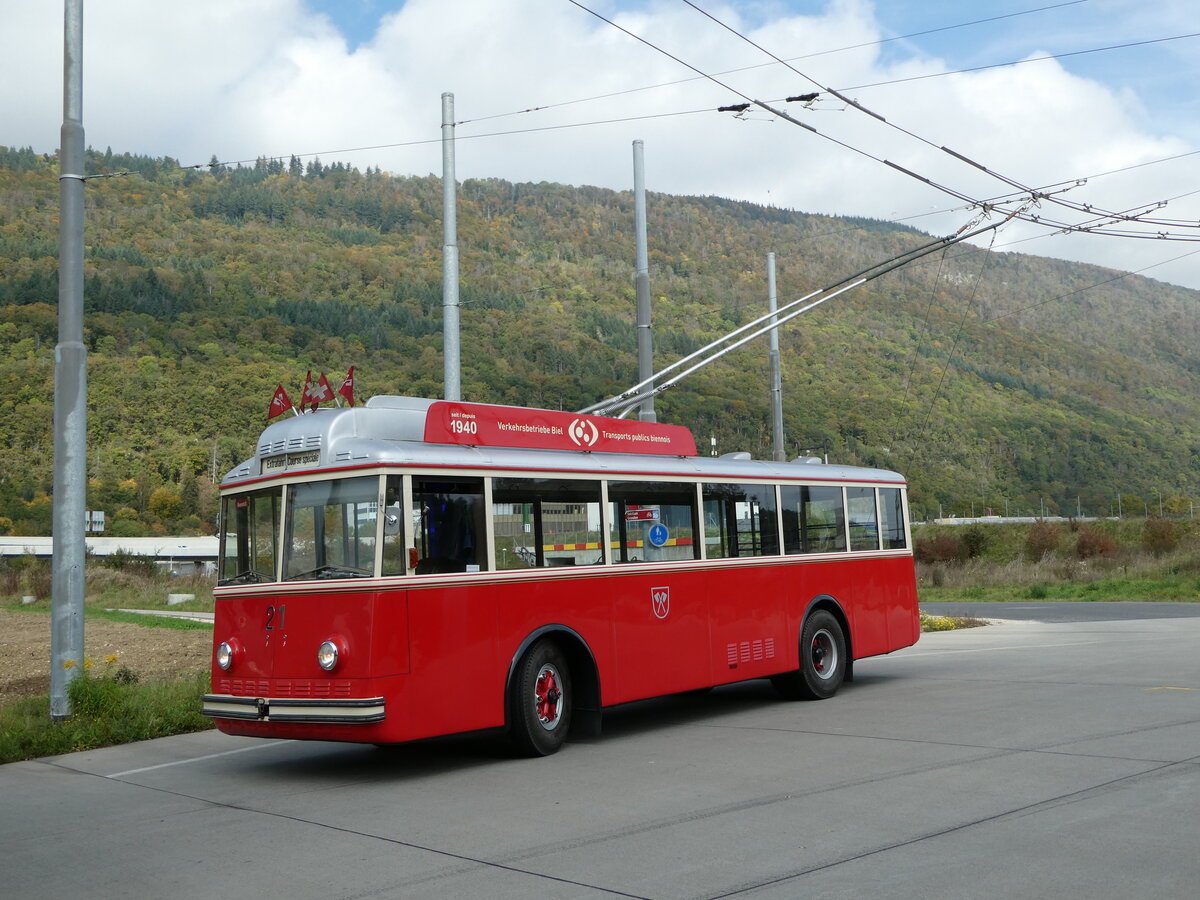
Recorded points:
1024,759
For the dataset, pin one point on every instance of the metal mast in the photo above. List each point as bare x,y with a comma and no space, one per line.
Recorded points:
70,385
642,284
452,367
776,376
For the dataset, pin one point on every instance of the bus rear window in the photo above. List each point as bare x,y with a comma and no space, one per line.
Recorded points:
891,513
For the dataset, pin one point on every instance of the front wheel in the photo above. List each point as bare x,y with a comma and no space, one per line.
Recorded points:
823,660
540,703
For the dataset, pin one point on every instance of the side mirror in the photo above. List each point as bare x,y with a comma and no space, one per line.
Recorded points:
391,520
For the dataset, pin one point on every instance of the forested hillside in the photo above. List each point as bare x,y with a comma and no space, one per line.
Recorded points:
989,379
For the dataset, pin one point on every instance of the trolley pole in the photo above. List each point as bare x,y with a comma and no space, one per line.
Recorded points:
452,367
642,284
776,376
70,386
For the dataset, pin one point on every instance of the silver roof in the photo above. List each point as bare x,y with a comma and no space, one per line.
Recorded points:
389,431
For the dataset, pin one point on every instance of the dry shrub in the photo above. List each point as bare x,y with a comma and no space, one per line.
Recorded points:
1093,542
1158,536
10,580
939,548
1042,539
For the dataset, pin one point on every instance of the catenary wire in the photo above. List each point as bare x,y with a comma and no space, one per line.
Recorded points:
1025,189
679,81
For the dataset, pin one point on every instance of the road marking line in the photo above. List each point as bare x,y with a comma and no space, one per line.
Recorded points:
184,762
920,654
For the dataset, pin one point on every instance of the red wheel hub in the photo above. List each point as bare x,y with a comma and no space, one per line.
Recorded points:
546,696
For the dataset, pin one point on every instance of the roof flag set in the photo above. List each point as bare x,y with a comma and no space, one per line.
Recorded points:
314,394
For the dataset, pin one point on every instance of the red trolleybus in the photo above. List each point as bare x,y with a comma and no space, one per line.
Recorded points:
412,567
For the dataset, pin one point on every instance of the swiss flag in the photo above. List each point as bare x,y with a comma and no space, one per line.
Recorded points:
322,392
307,397
280,403
347,388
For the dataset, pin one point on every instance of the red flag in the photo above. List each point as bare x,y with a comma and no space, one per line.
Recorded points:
322,392
306,399
347,388
280,403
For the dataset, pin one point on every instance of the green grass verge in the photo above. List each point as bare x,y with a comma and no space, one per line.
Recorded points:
1163,589
133,618
108,709
116,615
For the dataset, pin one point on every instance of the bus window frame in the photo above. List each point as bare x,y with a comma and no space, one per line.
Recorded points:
611,530
290,487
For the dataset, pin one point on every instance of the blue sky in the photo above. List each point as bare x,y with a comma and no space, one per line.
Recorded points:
360,81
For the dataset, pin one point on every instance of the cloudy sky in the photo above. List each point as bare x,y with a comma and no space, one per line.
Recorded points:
545,90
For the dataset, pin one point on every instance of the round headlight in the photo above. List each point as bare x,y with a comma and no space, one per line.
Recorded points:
225,655
327,655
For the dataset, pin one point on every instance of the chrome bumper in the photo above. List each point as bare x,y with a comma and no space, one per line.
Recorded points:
355,711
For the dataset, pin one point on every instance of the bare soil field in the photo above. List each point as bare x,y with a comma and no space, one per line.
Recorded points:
152,653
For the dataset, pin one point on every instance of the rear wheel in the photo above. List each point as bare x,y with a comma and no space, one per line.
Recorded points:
540,703
823,660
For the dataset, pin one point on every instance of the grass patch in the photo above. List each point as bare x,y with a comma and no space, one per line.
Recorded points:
116,615
133,585
133,618
1096,563
108,708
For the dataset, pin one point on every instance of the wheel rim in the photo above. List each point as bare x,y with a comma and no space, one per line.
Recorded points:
548,698
823,654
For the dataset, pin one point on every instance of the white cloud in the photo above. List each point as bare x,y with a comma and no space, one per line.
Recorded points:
244,78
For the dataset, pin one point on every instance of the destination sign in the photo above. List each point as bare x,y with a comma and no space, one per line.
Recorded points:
486,425
285,462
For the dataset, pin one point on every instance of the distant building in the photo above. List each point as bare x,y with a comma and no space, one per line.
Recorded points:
177,555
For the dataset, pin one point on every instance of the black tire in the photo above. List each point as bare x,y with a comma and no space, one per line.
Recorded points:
823,660
539,707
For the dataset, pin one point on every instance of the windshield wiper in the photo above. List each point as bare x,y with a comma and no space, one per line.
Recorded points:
247,577
330,571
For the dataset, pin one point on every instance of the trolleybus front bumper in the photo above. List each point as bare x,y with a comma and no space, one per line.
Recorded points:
348,711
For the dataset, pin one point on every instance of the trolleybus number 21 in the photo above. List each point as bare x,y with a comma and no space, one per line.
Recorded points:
274,618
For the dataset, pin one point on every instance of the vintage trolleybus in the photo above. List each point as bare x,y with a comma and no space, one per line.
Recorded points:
414,567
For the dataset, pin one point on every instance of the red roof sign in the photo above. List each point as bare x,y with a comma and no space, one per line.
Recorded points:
485,425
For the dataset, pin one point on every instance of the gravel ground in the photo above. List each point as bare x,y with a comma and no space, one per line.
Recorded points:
150,652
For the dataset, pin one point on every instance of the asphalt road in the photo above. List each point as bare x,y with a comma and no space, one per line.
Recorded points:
1023,759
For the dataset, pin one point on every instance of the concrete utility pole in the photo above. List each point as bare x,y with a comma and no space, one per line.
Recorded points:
642,285
70,385
452,366
776,375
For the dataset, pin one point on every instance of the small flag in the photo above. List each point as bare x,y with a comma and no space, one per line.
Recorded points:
280,403
322,392
347,388
306,399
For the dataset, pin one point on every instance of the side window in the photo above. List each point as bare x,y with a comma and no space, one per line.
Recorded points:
891,512
652,521
249,536
740,520
864,529
541,522
814,519
449,525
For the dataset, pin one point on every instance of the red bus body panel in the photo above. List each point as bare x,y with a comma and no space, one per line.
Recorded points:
438,650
